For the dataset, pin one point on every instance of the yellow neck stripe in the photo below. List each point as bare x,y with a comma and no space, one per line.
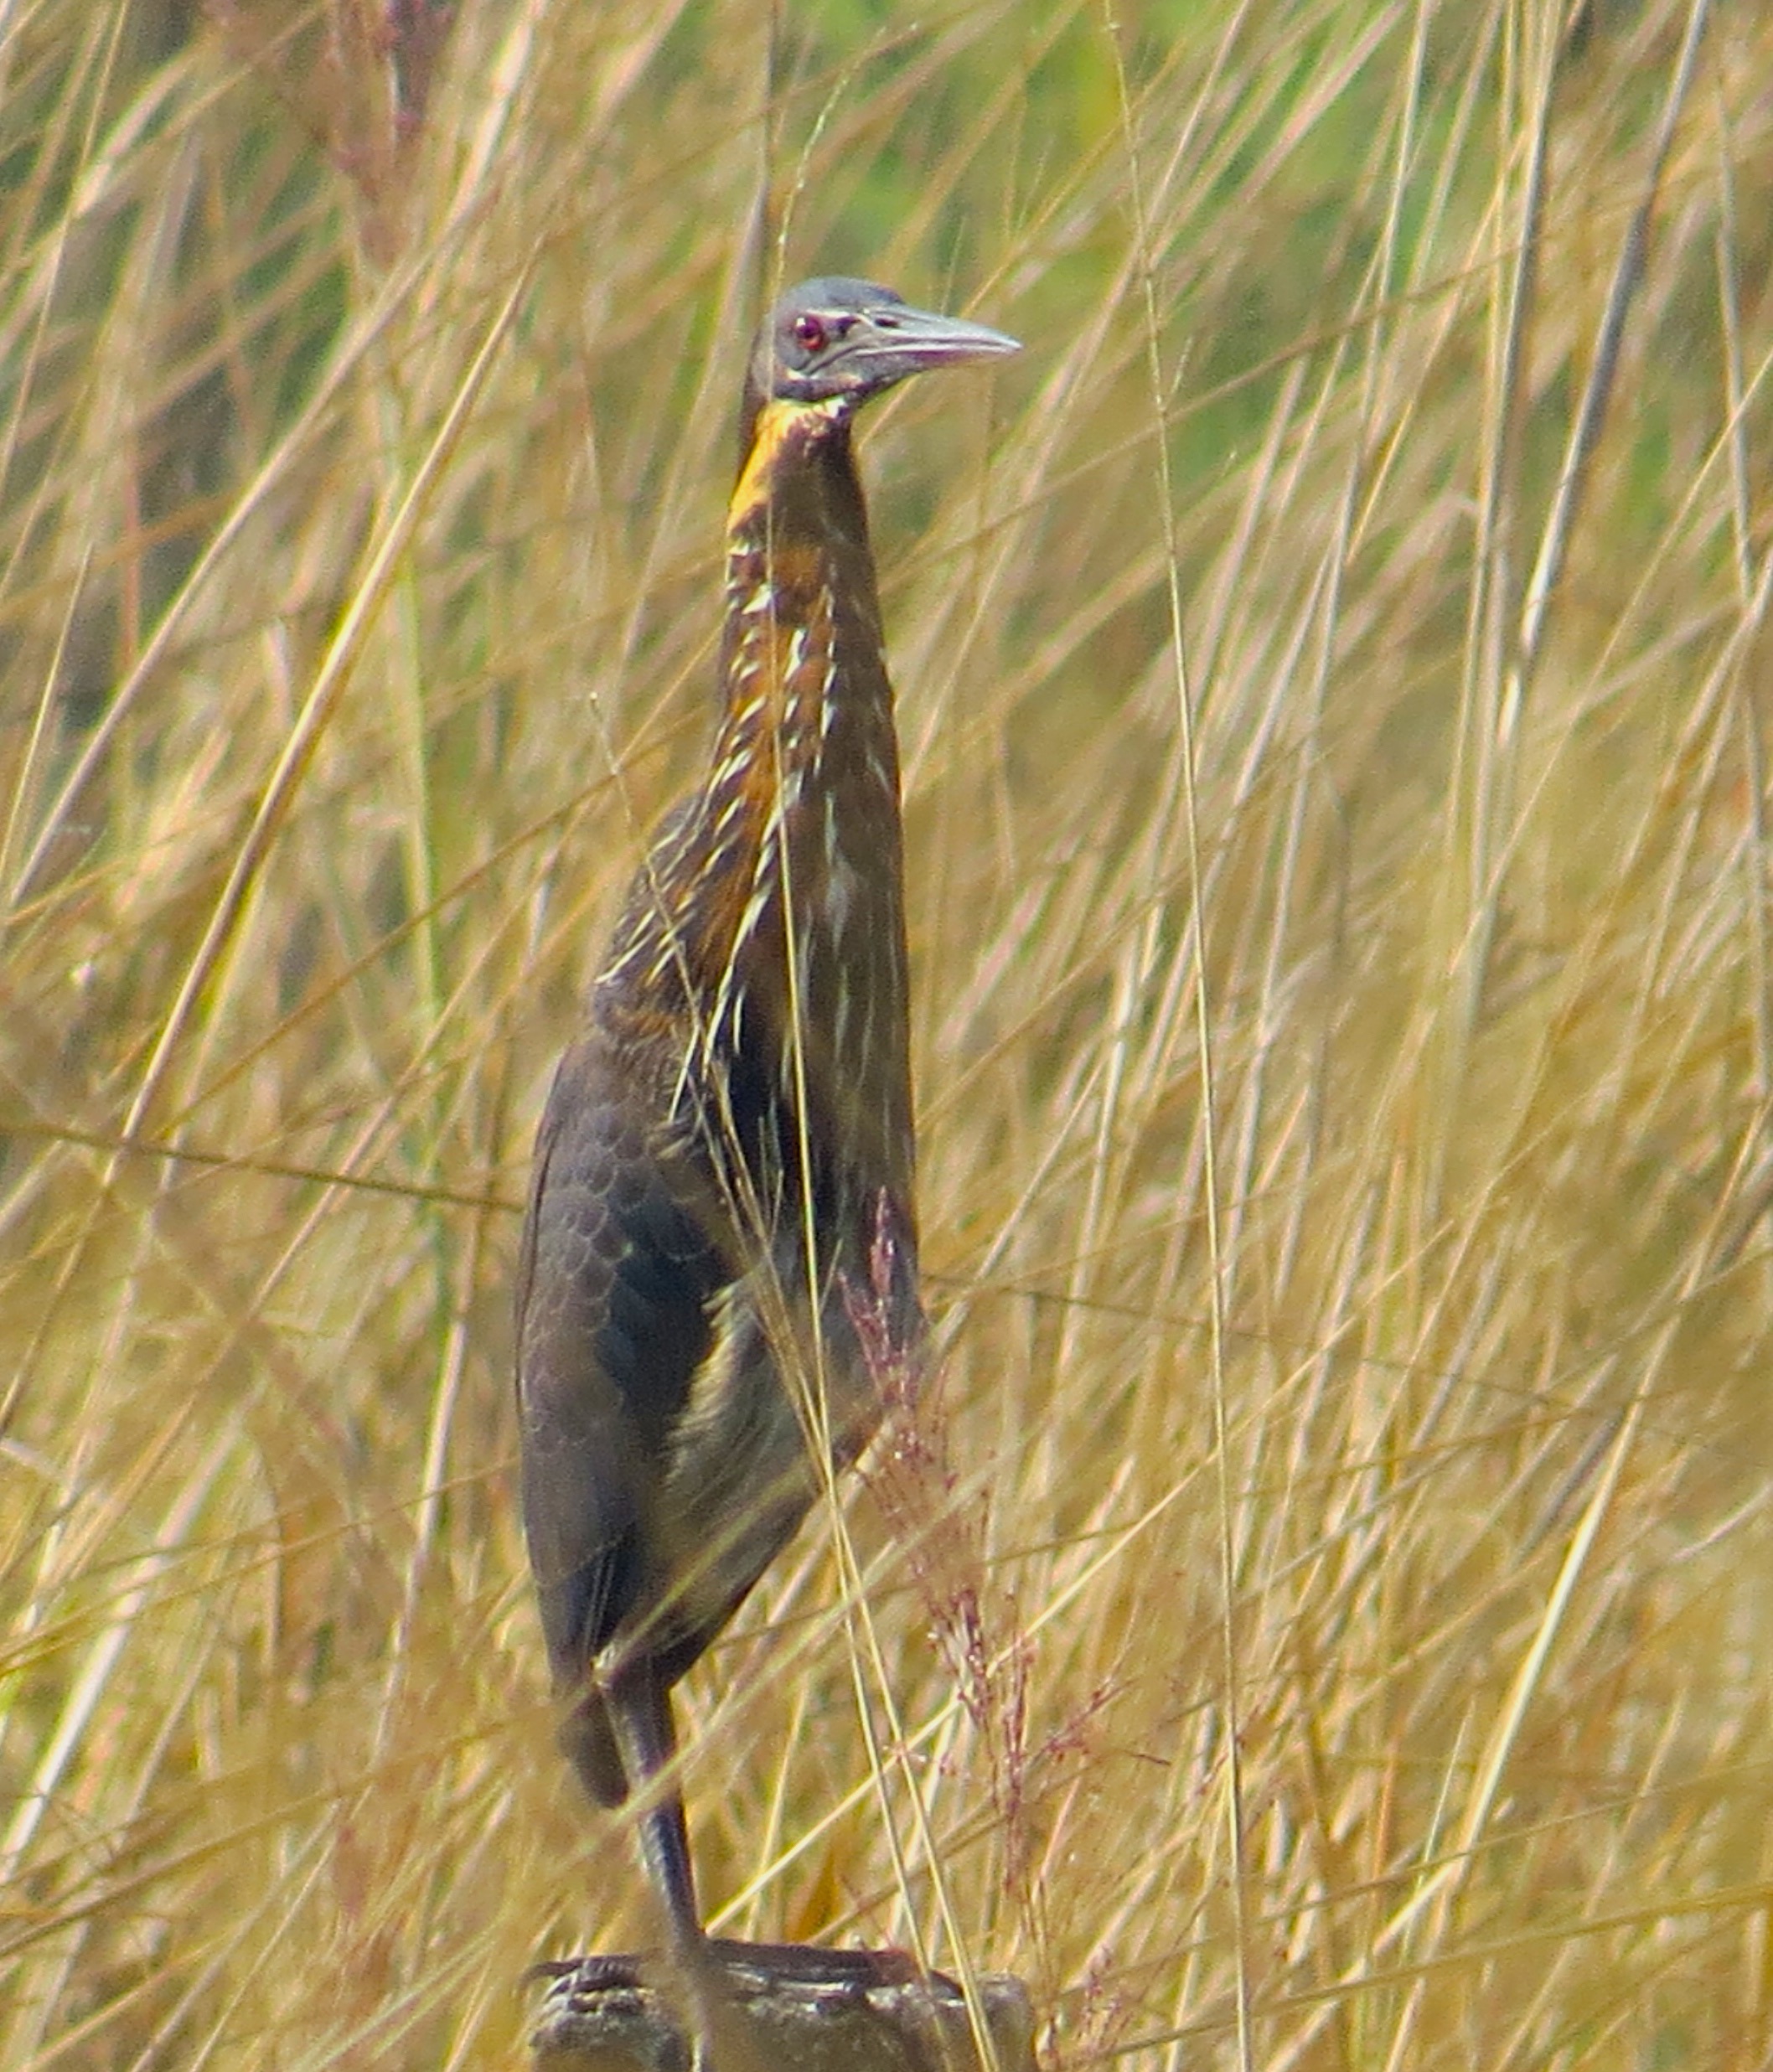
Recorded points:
777,422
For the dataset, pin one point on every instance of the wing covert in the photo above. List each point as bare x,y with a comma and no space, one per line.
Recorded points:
614,1286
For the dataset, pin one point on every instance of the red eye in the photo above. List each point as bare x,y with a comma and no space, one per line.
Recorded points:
809,334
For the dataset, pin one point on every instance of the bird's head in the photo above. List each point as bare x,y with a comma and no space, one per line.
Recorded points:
839,342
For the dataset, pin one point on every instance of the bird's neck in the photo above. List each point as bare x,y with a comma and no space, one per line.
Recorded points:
798,820
799,810
800,578
807,734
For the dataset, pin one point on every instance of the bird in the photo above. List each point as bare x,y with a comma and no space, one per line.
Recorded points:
718,1280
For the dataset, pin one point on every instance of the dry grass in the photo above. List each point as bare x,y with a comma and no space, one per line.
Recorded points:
1343,1634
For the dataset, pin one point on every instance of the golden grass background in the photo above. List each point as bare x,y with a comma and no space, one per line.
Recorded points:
1343,1635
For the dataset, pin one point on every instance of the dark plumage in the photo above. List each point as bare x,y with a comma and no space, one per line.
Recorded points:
723,1185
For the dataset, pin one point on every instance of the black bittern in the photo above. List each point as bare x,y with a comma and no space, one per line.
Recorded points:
721,1251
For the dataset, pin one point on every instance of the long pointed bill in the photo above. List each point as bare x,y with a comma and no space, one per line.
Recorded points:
894,340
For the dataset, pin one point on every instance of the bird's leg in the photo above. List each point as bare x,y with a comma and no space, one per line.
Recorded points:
640,1710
